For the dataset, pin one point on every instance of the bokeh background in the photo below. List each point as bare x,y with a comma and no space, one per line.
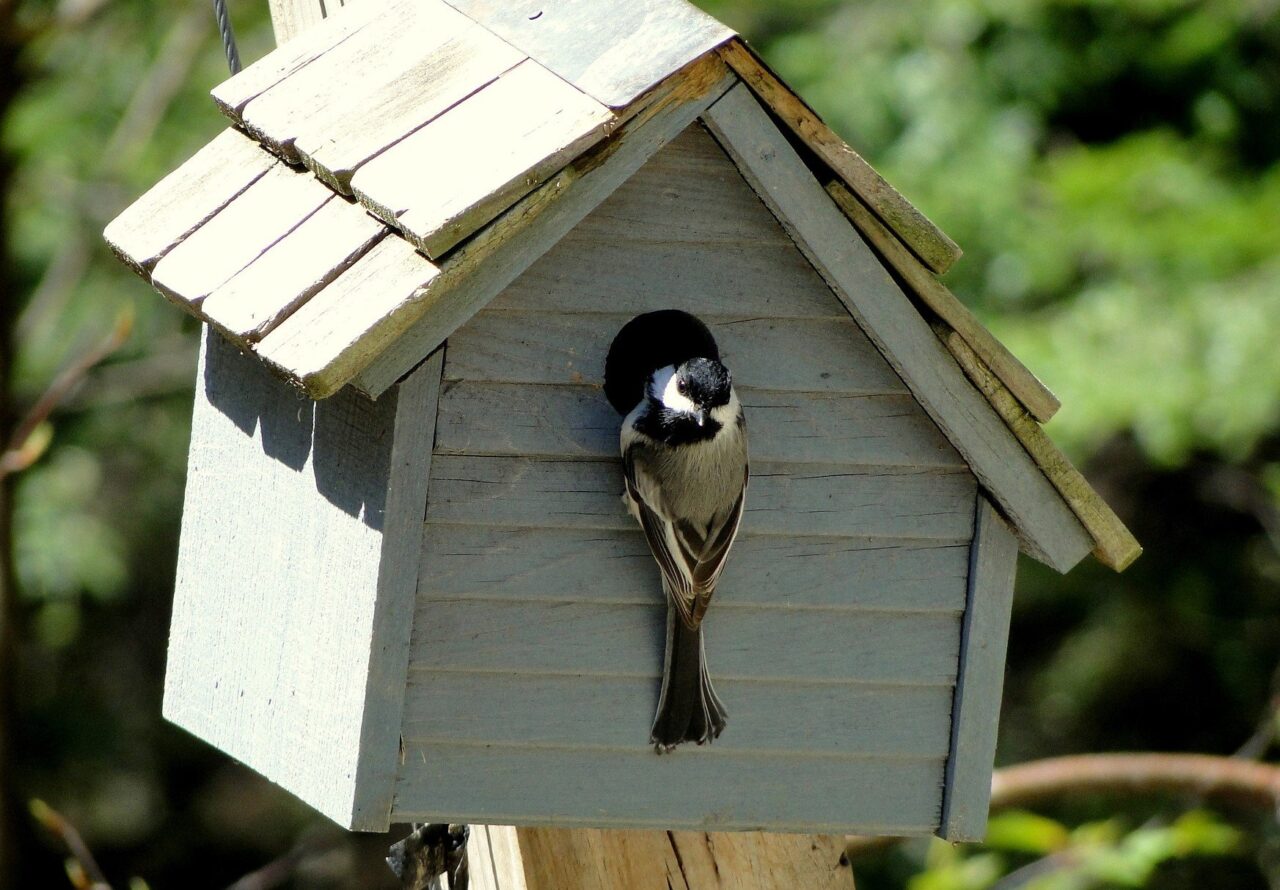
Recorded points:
1112,169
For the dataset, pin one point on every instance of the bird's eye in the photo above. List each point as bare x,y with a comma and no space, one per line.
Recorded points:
681,387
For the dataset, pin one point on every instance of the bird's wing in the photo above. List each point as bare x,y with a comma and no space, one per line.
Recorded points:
677,569
715,550
690,561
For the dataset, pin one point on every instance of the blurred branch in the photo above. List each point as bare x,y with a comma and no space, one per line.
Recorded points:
168,368
158,89
278,871
1256,785
83,869
28,442
1205,776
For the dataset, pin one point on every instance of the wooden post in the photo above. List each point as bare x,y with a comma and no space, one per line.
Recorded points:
506,858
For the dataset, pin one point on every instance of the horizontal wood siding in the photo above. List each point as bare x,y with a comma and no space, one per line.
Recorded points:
784,499
537,642
615,566
699,787
482,417
804,355
760,643
610,712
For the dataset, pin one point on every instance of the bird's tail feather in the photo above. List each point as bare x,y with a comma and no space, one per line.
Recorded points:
688,708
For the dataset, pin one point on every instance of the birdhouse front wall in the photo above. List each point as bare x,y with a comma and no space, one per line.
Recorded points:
537,641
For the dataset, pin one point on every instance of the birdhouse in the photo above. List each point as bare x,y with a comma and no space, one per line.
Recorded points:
407,588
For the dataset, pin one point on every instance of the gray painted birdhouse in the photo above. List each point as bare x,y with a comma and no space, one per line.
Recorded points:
407,588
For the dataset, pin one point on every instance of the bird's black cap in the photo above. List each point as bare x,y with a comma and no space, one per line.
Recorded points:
649,342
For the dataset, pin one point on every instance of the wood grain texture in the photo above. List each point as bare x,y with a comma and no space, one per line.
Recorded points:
289,20
1048,528
616,712
292,553
264,293
1033,394
688,193
391,42
450,178
784,499
416,400
795,355
925,239
389,275
1114,545
643,790
976,714
627,640
587,859
686,230
615,566
613,50
383,110
378,352
185,199
800,427
494,858
270,208
751,280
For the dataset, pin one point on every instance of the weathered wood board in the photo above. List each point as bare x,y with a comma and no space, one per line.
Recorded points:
584,639
186,198
268,210
929,242
615,567
1114,545
785,499
289,21
442,182
389,275
450,71
735,791
291,271
324,89
796,355
575,420
270,647
981,683
613,50
1050,531
616,712
934,294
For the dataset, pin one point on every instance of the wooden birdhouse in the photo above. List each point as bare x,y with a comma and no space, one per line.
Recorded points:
407,588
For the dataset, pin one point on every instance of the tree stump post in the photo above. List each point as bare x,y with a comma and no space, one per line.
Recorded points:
506,858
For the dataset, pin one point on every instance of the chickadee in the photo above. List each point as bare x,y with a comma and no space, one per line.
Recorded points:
684,453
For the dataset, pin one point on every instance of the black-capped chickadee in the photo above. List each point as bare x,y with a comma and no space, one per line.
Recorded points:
684,453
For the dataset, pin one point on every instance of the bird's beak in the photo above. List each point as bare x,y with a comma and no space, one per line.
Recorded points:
702,418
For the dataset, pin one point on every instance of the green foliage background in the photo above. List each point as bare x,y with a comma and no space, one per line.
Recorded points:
1111,169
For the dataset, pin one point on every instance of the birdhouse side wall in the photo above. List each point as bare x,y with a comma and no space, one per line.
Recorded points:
296,575
835,636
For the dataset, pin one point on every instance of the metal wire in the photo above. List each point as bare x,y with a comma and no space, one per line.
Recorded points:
228,35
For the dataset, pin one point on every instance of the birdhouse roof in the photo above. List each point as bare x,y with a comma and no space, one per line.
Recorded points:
392,169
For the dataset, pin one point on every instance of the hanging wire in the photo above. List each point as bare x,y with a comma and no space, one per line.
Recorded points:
228,35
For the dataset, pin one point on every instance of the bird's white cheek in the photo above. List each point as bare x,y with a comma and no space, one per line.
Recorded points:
675,400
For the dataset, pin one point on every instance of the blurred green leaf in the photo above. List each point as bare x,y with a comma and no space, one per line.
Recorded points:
1023,832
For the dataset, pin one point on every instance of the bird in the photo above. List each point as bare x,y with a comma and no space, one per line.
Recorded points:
685,467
